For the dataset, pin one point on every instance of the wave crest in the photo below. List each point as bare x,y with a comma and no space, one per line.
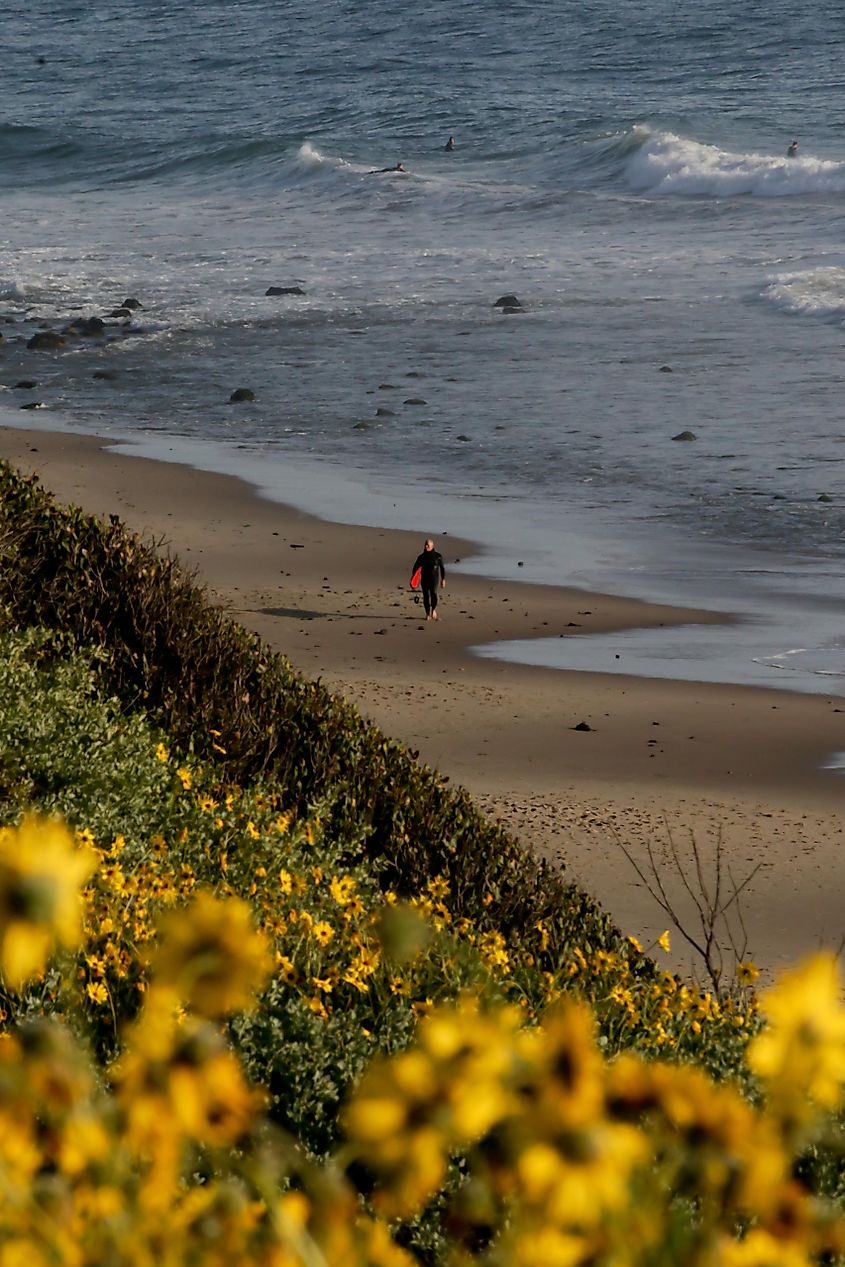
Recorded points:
815,292
668,164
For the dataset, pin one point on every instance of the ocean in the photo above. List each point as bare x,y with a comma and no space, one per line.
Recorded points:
621,170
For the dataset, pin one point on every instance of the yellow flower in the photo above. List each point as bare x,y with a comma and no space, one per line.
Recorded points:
285,881
322,932
212,955
354,977
801,1052
438,887
97,992
571,1083
285,968
179,1071
747,972
41,874
161,752
252,831
342,890
636,943
112,875
184,776
760,1249
663,941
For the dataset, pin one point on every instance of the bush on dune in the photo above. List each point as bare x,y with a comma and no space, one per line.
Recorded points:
163,824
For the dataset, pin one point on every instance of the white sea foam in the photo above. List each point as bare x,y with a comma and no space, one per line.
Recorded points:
670,164
310,156
814,292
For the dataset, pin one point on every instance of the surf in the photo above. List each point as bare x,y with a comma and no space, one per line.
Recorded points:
812,292
665,163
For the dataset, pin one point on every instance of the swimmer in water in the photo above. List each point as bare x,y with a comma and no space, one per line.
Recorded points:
378,171
793,150
450,144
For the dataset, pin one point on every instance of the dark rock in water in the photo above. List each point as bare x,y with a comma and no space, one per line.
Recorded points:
825,497
507,301
381,412
284,290
131,303
105,374
466,439
386,387
666,369
582,725
120,312
414,374
240,394
25,384
509,308
685,435
415,400
87,327
360,426
33,404
46,341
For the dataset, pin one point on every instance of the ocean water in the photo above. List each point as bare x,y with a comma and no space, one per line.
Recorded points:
621,169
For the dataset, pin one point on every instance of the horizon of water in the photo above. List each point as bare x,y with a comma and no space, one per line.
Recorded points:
676,271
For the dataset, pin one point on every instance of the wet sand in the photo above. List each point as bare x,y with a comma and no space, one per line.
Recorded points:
658,762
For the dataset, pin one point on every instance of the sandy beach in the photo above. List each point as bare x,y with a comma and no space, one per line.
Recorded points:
575,764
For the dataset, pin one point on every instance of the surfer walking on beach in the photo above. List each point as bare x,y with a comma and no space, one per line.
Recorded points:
430,565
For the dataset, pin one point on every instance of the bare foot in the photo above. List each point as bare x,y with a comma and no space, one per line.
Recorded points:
434,615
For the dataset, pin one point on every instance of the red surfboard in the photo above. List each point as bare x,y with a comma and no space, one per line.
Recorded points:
416,578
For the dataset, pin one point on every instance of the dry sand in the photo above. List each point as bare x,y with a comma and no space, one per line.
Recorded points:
661,761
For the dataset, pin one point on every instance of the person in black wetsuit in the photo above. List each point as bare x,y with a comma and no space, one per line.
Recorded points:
431,564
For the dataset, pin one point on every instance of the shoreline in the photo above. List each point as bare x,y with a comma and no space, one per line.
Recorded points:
660,756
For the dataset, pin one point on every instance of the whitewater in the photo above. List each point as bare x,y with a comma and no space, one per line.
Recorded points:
677,274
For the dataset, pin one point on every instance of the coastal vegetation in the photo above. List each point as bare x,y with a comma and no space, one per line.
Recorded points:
273,992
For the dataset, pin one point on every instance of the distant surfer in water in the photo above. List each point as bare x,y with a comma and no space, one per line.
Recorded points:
450,144
378,171
430,563
792,150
